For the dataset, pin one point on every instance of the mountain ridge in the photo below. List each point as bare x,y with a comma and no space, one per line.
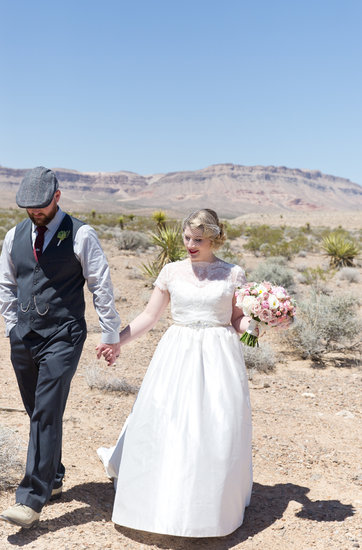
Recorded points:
231,189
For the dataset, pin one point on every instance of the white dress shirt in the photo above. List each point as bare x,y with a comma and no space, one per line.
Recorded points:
95,269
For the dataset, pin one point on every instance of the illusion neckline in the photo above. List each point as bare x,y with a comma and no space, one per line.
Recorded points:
203,262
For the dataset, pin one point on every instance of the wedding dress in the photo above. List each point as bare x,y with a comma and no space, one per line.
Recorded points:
182,463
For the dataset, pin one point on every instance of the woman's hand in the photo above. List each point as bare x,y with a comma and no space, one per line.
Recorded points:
110,352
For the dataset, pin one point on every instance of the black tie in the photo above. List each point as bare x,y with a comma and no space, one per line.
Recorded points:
39,242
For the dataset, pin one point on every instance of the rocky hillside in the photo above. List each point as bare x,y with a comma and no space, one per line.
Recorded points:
231,189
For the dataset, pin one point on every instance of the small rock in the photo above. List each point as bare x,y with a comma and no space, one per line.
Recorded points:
345,414
307,394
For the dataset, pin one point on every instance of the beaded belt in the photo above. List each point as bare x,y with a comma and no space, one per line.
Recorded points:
200,324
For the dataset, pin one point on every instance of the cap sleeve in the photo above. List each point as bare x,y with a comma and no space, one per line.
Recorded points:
239,276
162,280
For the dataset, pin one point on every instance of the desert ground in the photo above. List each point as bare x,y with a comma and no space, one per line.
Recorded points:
306,443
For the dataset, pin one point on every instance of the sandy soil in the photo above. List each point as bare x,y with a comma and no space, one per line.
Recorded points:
307,449
348,220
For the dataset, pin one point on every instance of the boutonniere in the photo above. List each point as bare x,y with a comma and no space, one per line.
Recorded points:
62,235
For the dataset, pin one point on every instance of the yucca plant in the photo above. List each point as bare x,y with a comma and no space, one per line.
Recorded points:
170,241
340,250
160,218
151,269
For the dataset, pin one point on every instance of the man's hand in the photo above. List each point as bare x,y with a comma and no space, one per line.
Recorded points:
110,352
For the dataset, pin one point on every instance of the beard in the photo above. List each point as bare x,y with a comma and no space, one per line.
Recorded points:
41,219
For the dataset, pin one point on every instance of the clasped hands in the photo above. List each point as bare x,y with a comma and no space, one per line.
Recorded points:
110,352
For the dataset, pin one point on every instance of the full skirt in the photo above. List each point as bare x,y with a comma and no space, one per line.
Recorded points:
182,464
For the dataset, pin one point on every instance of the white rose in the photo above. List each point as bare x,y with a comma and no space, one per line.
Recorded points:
247,304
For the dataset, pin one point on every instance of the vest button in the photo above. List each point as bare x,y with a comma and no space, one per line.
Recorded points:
31,318
35,282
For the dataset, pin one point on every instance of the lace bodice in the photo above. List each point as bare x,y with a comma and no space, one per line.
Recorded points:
201,292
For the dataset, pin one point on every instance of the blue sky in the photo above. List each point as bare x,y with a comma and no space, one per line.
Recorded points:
157,86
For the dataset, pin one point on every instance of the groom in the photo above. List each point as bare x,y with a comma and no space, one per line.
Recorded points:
44,264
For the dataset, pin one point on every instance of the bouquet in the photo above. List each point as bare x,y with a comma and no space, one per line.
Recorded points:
266,304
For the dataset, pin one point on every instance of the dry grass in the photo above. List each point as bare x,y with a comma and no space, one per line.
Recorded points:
98,378
11,465
259,359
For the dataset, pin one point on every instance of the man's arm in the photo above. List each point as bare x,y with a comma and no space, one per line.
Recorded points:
8,285
96,272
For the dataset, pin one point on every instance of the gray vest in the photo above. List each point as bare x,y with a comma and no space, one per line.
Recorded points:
50,291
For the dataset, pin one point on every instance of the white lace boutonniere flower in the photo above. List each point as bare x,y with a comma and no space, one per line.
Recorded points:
62,235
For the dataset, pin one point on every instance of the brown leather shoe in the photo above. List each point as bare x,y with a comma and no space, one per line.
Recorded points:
21,515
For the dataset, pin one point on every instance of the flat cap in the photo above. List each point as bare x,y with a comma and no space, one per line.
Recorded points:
37,188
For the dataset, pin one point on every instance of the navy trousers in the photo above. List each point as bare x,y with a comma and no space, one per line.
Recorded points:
44,369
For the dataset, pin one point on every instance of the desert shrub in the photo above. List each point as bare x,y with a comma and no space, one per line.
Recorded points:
349,274
10,463
300,278
102,380
259,359
9,218
324,324
276,241
233,231
131,240
274,271
3,231
262,235
227,254
340,249
315,276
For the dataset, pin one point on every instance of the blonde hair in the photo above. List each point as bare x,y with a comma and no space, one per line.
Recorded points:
207,221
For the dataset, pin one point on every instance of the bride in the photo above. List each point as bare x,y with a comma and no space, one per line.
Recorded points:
182,463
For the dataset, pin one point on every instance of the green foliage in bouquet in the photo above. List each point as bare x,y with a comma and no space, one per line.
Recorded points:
341,250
